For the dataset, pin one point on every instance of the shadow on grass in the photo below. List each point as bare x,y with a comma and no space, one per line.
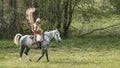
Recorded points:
73,62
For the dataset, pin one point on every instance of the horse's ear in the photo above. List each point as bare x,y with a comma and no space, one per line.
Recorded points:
57,29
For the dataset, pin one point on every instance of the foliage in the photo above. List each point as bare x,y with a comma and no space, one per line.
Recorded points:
95,17
116,4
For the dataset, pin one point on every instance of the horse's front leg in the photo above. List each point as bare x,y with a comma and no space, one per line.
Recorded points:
43,52
46,52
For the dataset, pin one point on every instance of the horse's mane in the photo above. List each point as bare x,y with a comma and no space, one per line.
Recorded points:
50,33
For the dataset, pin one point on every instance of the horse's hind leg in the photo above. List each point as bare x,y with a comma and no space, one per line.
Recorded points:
26,53
46,52
41,56
21,52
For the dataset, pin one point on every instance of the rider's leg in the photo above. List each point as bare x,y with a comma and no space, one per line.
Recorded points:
38,40
34,40
42,37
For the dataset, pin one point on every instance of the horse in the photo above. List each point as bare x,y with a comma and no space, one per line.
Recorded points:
25,43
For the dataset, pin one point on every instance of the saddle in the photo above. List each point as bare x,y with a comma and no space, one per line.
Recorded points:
34,41
31,36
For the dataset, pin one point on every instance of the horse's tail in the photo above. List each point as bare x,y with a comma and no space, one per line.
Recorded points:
17,38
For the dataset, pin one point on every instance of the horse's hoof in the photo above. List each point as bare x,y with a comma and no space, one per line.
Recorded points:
37,61
20,59
48,60
30,60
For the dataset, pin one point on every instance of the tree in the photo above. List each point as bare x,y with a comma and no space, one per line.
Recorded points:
68,9
2,12
56,14
14,22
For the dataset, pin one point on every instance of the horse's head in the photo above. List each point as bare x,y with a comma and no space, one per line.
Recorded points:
57,35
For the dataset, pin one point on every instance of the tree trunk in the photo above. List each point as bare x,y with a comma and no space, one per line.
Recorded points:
28,3
69,6
59,13
2,13
14,20
65,18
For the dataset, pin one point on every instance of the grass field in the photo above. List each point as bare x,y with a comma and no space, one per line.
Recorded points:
87,52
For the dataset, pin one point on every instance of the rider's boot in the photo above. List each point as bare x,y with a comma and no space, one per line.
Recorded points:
42,38
39,44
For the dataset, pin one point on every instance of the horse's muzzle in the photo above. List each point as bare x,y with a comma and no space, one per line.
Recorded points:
59,41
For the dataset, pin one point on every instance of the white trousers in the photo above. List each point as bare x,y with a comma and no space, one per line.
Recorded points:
38,38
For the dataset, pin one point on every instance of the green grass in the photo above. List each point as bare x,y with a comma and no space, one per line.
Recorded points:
87,52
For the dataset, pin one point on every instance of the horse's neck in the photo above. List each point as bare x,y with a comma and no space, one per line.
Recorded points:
49,34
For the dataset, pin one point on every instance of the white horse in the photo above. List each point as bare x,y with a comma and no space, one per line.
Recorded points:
26,43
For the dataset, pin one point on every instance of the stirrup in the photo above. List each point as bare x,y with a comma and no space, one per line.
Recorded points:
33,43
42,40
39,44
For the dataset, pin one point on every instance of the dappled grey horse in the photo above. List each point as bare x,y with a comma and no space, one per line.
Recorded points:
26,43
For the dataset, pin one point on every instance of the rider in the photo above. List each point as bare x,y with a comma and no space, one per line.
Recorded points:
38,32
